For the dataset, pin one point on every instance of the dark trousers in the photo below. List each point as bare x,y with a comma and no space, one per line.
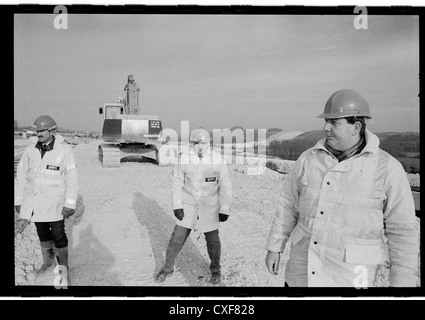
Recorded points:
179,237
52,231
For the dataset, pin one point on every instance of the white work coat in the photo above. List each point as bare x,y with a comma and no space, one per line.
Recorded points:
202,188
45,186
337,215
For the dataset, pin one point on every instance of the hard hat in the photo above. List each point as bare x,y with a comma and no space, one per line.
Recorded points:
199,135
346,103
44,123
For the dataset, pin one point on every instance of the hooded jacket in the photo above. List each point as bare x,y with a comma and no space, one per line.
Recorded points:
202,188
43,186
339,216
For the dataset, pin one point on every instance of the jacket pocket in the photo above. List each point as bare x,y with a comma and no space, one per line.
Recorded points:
297,234
368,252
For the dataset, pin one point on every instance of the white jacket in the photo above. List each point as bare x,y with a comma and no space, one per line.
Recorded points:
202,188
337,215
45,186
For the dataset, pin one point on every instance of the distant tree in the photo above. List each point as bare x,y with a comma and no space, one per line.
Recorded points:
414,170
16,125
272,148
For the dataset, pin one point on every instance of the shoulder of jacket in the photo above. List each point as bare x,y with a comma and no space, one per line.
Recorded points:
216,154
383,152
61,142
393,163
33,141
59,139
183,160
309,153
184,155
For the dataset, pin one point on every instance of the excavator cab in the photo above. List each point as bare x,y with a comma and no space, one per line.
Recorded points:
111,110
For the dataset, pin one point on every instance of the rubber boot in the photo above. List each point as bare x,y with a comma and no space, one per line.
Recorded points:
177,240
48,254
62,257
214,252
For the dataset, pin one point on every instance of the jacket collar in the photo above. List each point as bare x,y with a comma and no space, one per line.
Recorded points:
207,153
372,144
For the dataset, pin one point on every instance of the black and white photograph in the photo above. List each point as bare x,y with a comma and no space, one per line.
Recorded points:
216,150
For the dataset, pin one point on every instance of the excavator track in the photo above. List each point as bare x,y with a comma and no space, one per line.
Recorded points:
109,155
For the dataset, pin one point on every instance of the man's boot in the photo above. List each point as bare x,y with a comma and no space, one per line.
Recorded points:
62,257
177,240
48,254
214,252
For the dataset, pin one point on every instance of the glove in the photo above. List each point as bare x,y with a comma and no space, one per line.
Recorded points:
179,213
18,209
222,217
21,225
67,212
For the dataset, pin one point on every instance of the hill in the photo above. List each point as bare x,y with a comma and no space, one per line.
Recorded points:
404,146
283,135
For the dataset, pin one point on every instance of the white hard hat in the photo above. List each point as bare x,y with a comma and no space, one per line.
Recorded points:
346,103
199,135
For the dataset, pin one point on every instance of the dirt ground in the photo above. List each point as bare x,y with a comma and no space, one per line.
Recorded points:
124,220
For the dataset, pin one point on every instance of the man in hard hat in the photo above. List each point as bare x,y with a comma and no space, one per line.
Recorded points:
342,200
201,198
46,191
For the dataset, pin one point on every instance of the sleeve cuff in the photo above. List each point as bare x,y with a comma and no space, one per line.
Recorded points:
225,210
276,246
70,203
26,216
178,204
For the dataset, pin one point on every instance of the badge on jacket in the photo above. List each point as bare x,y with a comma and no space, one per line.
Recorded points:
52,167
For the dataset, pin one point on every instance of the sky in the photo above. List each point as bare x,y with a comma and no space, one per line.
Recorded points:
216,71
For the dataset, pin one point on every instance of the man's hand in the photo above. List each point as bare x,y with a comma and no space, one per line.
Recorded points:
18,209
222,217
272,262
179,213
67,212
21,225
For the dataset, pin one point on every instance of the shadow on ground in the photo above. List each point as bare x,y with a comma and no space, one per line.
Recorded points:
190,262
90,261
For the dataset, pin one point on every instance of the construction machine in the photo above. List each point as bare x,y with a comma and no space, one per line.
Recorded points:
126,132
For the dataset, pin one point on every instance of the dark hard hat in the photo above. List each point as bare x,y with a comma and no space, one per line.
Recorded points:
346,103
44,123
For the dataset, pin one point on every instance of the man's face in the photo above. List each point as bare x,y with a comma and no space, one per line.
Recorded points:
44,136
340,134
201,148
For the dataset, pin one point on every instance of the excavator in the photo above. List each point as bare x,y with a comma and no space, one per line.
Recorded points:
128,133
